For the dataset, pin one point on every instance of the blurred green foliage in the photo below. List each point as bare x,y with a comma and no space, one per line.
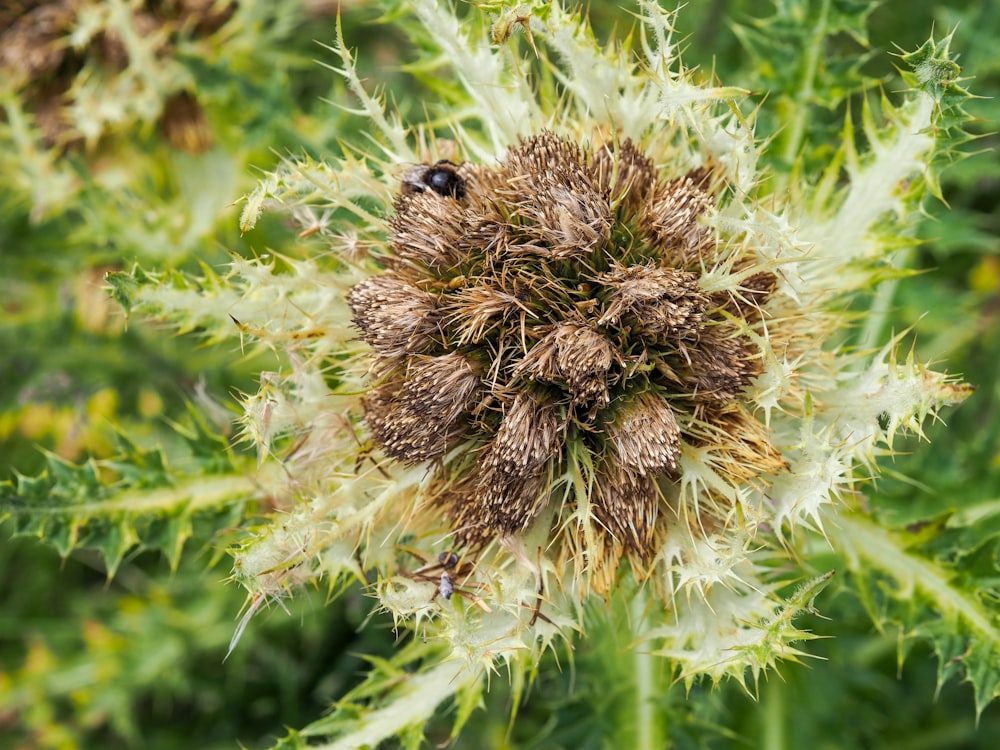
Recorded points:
137,660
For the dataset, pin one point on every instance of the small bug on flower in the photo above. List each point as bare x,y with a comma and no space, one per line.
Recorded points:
450,565
442,177
448,562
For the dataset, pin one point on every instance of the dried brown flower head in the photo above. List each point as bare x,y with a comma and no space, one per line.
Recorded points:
549,311
613,361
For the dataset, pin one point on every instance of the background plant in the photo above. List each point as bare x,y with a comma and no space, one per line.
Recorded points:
939,528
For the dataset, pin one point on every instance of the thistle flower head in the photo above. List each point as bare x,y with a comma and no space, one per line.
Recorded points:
544,313
584,354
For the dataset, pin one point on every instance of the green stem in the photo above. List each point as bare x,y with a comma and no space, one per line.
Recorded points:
773,732
645,680
878,312
795,132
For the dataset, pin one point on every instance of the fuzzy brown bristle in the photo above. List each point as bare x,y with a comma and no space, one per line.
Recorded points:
645,435
672,220
419,419
658,300
585,359
507,505
721,365
628,175
528,437
551,196
395,317
626,504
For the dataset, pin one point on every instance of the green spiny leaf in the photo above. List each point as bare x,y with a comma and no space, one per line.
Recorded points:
123,285
933,70
912,579
396,699
804,68
134,499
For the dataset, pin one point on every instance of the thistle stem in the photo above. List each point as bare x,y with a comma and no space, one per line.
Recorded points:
795,131
881,305
645,688
878,312
773,731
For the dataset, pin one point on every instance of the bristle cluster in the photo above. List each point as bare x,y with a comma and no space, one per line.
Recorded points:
553,307
417,418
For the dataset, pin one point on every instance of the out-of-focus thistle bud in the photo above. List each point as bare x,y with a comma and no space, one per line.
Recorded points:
49,50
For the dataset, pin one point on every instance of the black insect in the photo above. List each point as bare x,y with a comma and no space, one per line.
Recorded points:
442,177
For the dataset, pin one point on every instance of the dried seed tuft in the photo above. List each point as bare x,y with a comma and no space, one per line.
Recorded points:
420,419
627,174
625,503
659,301
395,317
671,220
528,437
645,435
